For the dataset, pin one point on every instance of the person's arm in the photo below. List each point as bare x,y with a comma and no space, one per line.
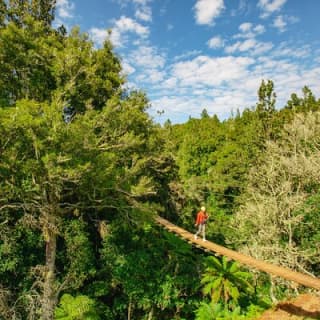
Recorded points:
197,220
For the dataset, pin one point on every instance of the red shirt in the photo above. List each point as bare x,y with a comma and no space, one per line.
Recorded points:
201,217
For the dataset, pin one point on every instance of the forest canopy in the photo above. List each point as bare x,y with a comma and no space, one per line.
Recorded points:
84,169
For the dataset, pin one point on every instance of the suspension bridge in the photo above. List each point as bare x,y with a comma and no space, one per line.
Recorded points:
303,279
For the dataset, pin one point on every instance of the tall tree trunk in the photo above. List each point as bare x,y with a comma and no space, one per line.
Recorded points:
150,315
49,293
129,309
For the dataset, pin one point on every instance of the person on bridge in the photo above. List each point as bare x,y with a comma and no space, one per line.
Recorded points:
201,221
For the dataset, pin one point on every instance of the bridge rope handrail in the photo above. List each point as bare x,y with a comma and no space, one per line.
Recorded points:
303,279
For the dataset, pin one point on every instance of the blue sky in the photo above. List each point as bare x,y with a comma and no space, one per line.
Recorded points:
188,55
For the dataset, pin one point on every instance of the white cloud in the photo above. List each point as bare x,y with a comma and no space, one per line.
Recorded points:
64,13
279,23
116,38
142,9
187,54
123,26
242,8
179,108
255,47
284,50
98,35
288,76
127,68
151,75
207,10
147,57
215,42
270,6
259,29
248,30
125,3
169,83
64,9
141,2
245,27
224,85
144,14
148,64
210,71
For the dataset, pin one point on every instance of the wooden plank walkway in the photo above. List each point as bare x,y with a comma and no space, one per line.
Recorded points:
275,270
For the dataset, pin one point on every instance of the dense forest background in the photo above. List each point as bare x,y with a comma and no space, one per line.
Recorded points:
84,169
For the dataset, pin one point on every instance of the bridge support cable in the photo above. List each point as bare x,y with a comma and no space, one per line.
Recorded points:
275,270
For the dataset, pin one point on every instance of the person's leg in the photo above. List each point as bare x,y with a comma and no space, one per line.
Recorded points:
198,231
204,232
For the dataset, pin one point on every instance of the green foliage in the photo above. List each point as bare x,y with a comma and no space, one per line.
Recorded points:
41,10
87,166
112,166
76,308
57,178
213,311
204,113
195,152
278,220
3,10
209,311
86,77
218,225
224,281
26,58
216,160
307,102
267,98
151,273
78,260
307,233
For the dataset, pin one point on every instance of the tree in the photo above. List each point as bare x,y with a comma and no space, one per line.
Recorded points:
237,149
40,10
55,164
76,308
40,66
267,97
3,10
204,114
102,163
272,211
86,77
26,56
56,172
209,311
265,107
307,233
195,154
224,281
305,104
43,10
150,271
